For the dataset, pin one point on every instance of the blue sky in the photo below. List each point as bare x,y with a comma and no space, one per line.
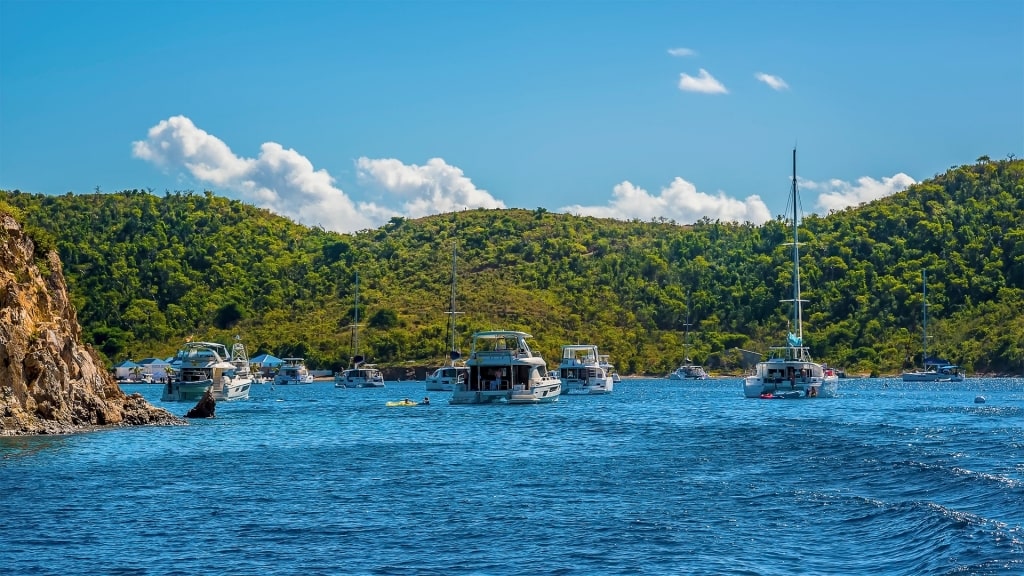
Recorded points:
345,114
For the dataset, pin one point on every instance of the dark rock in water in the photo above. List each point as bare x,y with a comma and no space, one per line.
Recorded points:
205,408
51,382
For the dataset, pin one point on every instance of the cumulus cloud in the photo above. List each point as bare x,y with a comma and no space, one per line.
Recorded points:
681,52
284,181
704,83
774,82
433,188
838,194
680,201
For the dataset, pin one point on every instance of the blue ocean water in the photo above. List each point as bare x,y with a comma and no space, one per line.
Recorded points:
661,477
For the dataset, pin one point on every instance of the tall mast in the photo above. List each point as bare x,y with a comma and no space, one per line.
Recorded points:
686,338
924,317
797,303
355,328
452,312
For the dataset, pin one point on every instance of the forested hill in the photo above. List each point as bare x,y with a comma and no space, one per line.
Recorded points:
146,272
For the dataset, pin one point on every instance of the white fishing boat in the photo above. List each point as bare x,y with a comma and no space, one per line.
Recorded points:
605,363
360,374
293,371
445,378
789,372
935,369
206,365
503,369
581,372
688,370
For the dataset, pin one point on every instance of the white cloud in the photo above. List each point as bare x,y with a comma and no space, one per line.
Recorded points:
279,179
681,52
774,82
433,188
838,194
284,181
680,202
703,82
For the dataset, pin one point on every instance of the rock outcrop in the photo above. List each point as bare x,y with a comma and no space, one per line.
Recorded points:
50,383
205,408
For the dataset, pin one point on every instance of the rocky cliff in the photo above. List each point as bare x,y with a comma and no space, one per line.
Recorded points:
50,383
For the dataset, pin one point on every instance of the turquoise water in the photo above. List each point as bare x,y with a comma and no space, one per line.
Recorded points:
660,477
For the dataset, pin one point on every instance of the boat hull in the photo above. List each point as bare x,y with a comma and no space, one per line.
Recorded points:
815,387
595,386
518,394
931,377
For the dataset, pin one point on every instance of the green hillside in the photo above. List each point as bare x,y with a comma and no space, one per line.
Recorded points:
148,271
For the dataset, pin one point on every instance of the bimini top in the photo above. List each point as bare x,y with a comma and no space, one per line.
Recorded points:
501,342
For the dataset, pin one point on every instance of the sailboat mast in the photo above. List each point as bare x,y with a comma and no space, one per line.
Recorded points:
924,317
797,304
355,325
451,345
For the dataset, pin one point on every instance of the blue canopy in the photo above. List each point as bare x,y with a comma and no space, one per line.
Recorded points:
266,360
795,340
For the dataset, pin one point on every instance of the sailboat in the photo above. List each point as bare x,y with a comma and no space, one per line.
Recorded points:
361,374
789,372
935,369
446,377
689,370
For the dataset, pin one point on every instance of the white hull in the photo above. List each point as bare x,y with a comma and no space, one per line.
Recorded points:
790,379
932,376
285,380
437,386
517,394
593,386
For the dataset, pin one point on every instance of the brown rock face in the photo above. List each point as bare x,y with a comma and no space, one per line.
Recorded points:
205,408
50,383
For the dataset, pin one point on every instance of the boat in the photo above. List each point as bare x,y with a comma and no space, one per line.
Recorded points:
206,366
605,363
503,369
688,370
293,371
789,371
447,376
360,374
581,372
935,369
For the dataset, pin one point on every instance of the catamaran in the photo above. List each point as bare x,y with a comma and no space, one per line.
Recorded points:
789,372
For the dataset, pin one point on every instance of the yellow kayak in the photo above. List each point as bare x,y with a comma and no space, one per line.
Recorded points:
402,403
